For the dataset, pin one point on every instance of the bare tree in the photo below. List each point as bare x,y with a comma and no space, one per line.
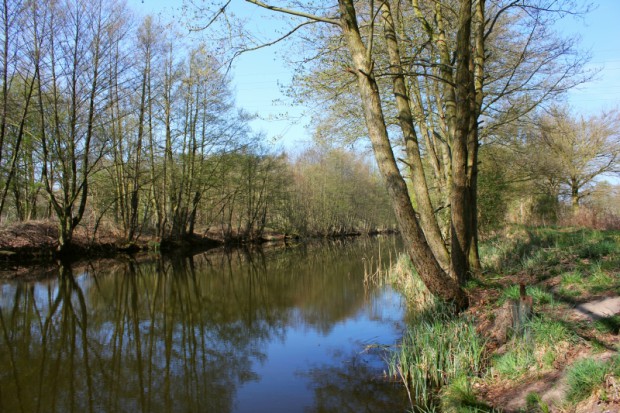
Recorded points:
575,151
445,63
70,91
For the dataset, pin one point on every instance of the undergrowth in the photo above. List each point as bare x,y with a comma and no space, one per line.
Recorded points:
588,375
437,349
544,342
442,355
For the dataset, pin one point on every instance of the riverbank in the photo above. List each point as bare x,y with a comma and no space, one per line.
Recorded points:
34,243
564,358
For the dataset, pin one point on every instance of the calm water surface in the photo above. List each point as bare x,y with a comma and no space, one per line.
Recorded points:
291,330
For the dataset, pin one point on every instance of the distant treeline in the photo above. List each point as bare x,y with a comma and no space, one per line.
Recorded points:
109,121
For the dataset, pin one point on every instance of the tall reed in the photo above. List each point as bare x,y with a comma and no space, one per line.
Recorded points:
401,275
438,348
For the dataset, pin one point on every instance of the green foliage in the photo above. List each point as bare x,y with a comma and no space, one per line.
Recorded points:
539,295
584,376
458,397
437,348
545,340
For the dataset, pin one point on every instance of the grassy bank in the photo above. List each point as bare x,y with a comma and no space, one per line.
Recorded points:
560,360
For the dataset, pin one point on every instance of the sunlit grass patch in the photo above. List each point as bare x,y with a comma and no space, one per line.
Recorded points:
571,292
544,341
585,376
572,278
458,396
514,364
601,280
572,284
550,332
538,294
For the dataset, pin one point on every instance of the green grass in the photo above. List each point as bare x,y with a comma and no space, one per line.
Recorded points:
595,249
539,295
586,264
572,284
437,348
534,403
441,353
514,363
610,325
548,332
600,280
585,376
531,249
572,278
458,397
544,341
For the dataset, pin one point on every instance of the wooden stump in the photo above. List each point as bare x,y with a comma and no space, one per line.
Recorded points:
512,317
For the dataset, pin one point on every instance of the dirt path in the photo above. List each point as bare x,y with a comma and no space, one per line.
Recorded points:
595,310
552,386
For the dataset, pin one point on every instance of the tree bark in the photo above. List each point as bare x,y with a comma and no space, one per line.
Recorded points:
437,281
465,109
418,180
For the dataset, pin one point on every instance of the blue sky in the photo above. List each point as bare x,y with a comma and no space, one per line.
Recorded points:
257,76
600,33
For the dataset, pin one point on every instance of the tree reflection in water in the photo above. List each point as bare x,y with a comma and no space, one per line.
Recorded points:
354,386
182,334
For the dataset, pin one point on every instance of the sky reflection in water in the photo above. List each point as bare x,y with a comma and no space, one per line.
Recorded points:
276,331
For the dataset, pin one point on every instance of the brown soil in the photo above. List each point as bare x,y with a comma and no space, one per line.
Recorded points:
25,244
550,384
43,235
27,247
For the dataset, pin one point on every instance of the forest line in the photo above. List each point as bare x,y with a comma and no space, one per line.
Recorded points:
111,121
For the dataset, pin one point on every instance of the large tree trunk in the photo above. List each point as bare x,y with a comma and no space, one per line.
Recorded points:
477,68
465,111
431,273
428,220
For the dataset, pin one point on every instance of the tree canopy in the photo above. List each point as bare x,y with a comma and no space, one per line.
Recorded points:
426,76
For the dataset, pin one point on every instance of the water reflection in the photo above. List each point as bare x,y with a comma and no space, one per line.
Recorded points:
214,333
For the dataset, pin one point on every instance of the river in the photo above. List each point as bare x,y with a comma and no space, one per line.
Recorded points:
284,330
